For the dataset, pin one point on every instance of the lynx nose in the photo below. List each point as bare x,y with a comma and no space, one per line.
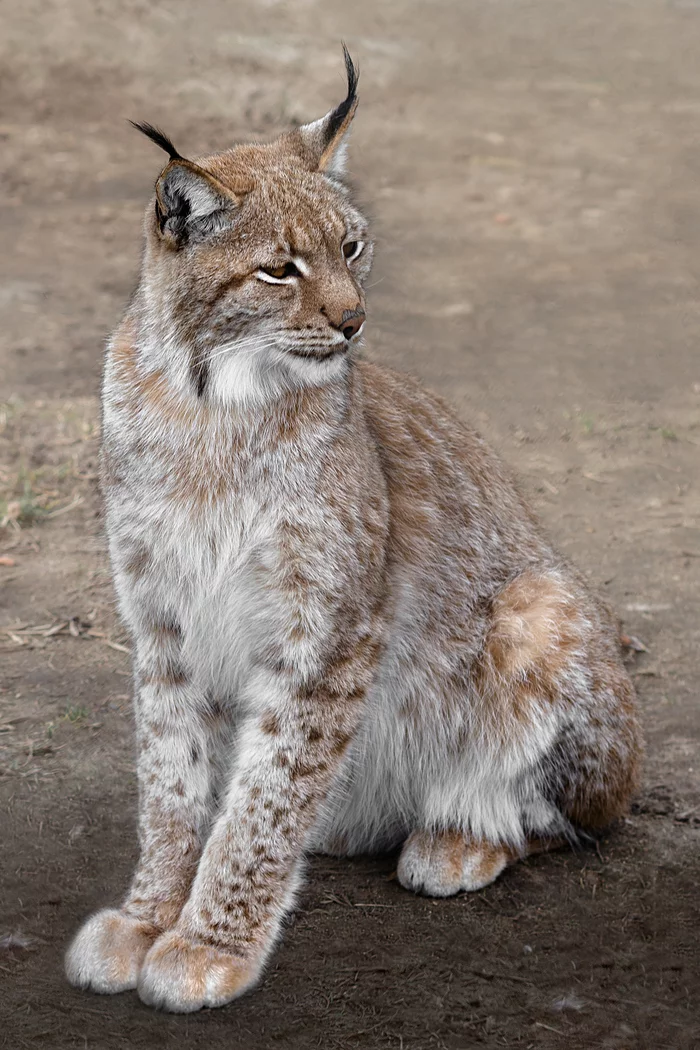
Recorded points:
351,322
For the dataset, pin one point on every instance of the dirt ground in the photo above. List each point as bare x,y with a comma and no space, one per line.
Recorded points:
533,169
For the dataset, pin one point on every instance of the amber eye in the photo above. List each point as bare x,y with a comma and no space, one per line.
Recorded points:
278,273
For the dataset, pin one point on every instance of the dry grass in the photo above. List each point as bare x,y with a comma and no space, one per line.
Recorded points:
47,459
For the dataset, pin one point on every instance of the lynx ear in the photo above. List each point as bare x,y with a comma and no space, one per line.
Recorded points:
190,203
324,143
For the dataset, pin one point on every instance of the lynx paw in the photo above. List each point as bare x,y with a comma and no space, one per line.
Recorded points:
443,864
181,975
107,952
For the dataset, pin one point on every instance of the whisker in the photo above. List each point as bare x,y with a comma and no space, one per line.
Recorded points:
246,340
252,346
237,345
249,344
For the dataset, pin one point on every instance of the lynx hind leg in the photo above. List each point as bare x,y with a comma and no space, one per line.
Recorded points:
551,658
440,864
558,710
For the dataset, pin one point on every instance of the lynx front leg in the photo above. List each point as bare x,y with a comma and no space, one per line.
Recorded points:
289,752
174,733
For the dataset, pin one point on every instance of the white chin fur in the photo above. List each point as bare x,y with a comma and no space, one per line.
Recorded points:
314,371
244,378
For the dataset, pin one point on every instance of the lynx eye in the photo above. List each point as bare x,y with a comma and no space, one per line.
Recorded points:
278,274
351,249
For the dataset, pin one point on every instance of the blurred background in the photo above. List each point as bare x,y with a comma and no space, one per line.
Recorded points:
532,168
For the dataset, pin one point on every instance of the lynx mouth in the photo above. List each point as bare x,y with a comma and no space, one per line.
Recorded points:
322,354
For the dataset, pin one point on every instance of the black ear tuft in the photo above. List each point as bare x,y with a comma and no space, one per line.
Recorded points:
322,144
160,139
339,115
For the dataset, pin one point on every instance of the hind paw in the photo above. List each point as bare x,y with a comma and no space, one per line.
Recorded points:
442,864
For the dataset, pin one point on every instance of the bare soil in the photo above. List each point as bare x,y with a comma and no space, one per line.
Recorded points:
534,169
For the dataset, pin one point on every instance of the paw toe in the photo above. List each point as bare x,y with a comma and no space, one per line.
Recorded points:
482,865
426,868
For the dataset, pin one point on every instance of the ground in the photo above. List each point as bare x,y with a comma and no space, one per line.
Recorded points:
532,168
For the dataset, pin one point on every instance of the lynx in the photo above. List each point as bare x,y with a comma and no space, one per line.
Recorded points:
350,634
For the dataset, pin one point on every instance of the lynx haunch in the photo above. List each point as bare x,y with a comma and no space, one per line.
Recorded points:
349,632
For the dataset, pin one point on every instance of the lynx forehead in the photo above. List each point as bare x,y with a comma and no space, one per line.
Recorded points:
349,632
262,240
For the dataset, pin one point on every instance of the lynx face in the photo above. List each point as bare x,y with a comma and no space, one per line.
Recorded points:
255,264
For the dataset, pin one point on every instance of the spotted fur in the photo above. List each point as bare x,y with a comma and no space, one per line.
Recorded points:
349,630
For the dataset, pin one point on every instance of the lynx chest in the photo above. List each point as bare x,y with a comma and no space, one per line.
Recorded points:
214,563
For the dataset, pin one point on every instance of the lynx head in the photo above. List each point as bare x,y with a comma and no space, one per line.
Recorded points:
255,263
